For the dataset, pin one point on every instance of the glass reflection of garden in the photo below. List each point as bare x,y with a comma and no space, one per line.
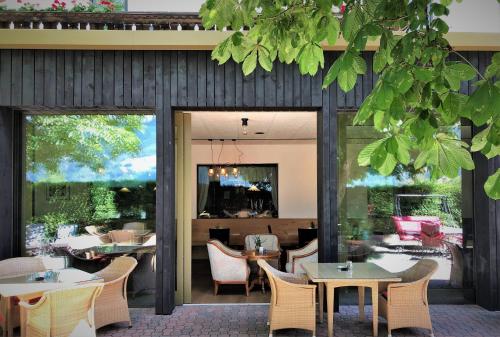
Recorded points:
90,188
396,220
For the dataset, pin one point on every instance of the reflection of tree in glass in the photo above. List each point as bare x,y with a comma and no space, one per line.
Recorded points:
88,140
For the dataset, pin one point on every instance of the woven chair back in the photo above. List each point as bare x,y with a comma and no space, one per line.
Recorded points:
423,269
120,267
21,266
65,309
119,236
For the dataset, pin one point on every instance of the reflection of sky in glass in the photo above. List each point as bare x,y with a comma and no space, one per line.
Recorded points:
240,182
141,166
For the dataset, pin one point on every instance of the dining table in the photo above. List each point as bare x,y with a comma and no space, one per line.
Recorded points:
255,255
361,275
31,286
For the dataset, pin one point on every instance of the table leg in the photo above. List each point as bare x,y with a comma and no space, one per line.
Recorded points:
3,315
9,320
330,293
361,303
375,308
23,322
321,295
261,279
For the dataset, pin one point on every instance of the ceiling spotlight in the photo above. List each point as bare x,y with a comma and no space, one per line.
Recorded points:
211,172
244,125
223,171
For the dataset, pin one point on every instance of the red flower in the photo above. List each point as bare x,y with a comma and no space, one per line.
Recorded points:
54,6
342,8
56,1
63,4
20,1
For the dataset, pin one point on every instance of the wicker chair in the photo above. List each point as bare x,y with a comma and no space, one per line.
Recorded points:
295,258
228,266
293,301
112,305
405,304
15,267
63,312
119,236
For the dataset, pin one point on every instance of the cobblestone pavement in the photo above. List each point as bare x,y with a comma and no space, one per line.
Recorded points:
250,321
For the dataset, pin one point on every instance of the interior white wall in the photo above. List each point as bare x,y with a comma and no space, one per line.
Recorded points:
297,162
480,16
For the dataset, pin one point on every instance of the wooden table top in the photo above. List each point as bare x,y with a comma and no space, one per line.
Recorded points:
254,255
327,272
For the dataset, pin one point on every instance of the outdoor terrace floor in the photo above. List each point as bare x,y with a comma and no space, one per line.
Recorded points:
250,321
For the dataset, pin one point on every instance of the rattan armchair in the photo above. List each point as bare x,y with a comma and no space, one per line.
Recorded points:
122,236
293,301
10,268
112,305
63,313
295,257
405,304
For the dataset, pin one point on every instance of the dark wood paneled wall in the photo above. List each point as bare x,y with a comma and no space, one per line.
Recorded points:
8,191
169,80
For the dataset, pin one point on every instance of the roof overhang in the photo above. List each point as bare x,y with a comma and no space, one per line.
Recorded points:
180,40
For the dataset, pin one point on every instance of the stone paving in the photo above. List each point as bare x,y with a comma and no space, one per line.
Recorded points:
250,321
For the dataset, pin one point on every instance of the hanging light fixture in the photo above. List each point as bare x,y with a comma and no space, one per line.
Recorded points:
244,125
211,170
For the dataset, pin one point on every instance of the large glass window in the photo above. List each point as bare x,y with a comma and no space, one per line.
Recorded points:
397,220
239,191
89,190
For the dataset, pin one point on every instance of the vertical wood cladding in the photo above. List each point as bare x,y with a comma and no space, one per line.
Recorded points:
171,80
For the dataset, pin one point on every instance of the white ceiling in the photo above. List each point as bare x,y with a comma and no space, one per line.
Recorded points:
276,125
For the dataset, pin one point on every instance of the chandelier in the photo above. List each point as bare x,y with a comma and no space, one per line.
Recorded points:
224,170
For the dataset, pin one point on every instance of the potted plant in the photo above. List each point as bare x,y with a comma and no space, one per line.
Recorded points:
258,244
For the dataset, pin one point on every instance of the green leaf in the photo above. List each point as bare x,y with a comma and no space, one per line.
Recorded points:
384,96
265,61
484,103
359,64
424,74
309,58
347,79
492,185
332,29
453,108
379,120
352,22
365,154
457,72
333,72
480,140
364,112
452,156
379,61
250,63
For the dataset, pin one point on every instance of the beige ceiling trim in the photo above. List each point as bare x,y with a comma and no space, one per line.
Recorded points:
180,40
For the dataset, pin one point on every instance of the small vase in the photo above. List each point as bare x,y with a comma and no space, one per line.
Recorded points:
261,250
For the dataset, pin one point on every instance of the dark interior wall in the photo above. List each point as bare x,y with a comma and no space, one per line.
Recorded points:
170,80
